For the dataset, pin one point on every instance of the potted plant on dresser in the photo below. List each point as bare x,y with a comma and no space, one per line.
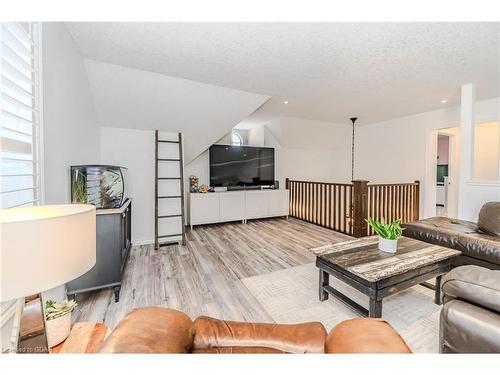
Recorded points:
388,234
58,321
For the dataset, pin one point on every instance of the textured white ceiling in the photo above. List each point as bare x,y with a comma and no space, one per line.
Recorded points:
327,71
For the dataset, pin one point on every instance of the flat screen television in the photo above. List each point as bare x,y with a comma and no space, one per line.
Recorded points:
241,166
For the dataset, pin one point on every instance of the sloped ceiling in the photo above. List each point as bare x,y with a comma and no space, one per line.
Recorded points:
289,132
326,71
131,98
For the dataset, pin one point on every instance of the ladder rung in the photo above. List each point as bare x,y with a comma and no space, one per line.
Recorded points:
169,196
168,159
167,141
169,178
170,235
167,216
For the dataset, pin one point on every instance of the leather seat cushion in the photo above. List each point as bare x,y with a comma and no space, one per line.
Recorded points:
489,218
214,335
365,335
467,328
238,350
473,284
151,330
456,234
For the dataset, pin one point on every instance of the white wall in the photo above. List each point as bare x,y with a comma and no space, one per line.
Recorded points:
391,151
307,150
71,134
397,150
136,99
135,150
256,136
487,152
298,163
304,149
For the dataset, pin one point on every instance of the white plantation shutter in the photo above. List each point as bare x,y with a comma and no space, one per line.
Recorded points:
20,137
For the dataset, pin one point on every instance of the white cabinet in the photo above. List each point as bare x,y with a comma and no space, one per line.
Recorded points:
256,204
204,209
277,203
237,205
232,206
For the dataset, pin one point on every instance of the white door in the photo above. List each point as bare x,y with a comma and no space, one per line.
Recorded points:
232,206
278,203
256,204
204,208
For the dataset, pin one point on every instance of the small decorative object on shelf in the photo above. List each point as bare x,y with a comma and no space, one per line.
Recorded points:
388,234
203,189
58,321
193,184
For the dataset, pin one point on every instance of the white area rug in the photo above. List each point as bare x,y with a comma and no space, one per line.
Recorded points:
291,296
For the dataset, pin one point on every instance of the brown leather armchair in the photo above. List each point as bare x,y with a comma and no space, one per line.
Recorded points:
470,318
161,330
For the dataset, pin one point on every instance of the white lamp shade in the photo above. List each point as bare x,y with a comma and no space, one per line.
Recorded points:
45,246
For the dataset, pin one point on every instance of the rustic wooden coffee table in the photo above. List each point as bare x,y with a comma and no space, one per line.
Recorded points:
376,274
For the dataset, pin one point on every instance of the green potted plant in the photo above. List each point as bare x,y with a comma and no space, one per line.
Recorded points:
58,321
388,234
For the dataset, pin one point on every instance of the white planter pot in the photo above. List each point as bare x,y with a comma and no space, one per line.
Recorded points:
388,246
58,329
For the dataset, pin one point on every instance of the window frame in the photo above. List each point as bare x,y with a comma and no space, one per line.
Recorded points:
240,139
34,33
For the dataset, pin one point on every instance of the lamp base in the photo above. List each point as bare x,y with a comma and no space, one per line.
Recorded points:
32,336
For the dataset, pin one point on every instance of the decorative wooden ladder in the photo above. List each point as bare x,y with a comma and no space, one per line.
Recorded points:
161,216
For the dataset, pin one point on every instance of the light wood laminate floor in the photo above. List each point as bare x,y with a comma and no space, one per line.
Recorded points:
204,277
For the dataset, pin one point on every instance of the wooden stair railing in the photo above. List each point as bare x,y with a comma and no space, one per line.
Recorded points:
344,207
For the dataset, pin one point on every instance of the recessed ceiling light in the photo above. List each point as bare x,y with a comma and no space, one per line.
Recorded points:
285,102
444,101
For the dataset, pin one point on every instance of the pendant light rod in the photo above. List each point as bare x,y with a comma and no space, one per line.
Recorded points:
353,119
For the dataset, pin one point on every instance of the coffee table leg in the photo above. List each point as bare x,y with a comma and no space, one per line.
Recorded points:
324,279
437,291
375,310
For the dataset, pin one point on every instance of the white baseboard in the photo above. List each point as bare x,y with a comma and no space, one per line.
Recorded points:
148,241
143,241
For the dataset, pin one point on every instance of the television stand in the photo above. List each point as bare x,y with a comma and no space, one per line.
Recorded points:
241,188
237,205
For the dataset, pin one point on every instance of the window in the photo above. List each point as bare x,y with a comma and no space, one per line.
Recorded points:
20,119
236,139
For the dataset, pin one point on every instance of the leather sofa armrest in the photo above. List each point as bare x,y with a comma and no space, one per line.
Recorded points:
363,336
477,285
214,335
151,330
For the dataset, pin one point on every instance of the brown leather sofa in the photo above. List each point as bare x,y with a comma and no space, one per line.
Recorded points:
470,318
479,242
161,330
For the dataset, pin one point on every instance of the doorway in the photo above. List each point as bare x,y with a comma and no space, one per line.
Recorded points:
442,173
441,182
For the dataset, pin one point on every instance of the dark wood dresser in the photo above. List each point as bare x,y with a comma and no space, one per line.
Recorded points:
112,247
